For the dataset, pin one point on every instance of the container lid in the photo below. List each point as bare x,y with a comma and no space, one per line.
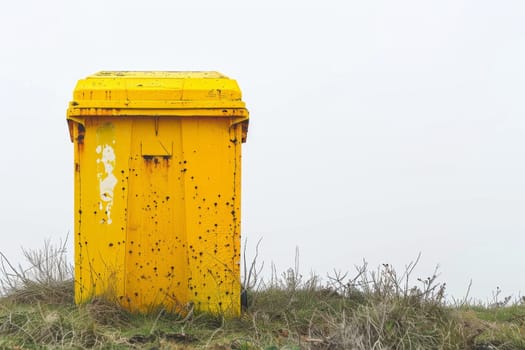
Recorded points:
158,94
125,93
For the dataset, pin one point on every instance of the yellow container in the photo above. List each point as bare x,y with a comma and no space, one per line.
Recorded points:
157,189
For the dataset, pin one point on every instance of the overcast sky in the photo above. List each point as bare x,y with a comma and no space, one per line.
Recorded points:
380,129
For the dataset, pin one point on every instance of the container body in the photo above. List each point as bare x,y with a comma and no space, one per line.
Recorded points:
157,206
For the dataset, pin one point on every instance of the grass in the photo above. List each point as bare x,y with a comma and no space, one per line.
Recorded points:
373,309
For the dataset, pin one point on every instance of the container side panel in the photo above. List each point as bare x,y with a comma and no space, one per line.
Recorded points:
211,154
77,135
156,261
101,200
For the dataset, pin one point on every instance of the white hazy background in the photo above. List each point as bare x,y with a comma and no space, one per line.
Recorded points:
380,129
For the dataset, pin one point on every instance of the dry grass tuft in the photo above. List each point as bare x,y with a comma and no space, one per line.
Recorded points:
107,312
47,279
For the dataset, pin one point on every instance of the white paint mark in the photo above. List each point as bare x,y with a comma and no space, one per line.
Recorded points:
106,179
